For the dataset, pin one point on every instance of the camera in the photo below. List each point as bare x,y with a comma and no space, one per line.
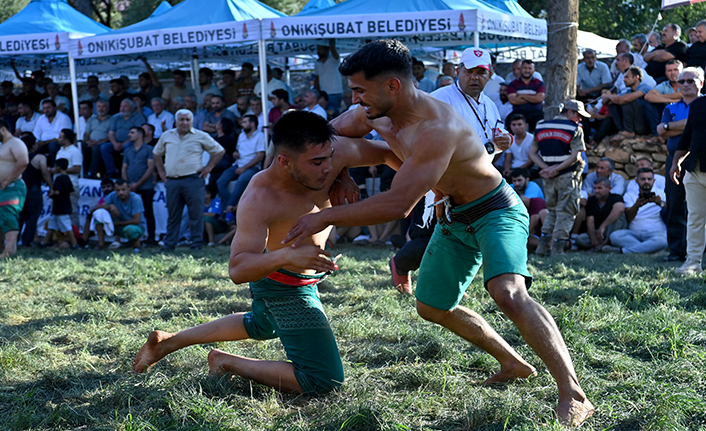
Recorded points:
647,195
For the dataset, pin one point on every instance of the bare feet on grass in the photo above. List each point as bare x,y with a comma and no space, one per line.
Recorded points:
516,371
573,413
217,362
151,352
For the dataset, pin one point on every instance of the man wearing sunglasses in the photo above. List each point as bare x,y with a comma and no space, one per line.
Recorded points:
690,154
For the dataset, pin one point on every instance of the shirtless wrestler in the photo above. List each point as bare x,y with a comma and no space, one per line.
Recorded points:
483,220
283,280
13,161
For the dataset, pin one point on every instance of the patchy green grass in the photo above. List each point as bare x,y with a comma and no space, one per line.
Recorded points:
71,325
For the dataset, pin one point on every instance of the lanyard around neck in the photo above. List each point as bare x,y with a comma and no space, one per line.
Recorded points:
483,122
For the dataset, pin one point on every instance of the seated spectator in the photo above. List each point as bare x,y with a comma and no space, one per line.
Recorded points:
85,112
149,84
245,85
140,105
622,47
517,72
95,135
644,163
526,94
600,120
48,127
533,198
7,96
138,171
206,85
92,84
692,36
628,108
517,156
409,256
30,93
213,223
667,91
149,134
672,48
28,118
120,126
224,137
591,76
605,168
638,49
161,120
217,113
241,108
107,187
179,89
62,103
624,63
70,152
117,87
604,215
502,102
60,220
120,215
249,154
311,100
654,39
423,83
299,102
697,51
280,100
256,108
647,232
178,103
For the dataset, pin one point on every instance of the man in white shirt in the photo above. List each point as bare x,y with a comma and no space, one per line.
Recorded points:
517,156
70,152
62,103
272,85
161,119
328,78
623,63
28,118
249,154
311,98
467,97
85,112
647,232
48,128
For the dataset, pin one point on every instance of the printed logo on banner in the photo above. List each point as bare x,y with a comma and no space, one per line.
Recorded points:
273,32
245,31
57,43
461,23
80,47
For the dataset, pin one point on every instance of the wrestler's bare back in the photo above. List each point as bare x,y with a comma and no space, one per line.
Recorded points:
8,157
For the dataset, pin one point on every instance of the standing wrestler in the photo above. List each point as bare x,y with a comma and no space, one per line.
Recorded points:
484,221
283,280
13,161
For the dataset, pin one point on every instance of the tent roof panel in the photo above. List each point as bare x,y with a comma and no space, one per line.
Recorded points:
50,16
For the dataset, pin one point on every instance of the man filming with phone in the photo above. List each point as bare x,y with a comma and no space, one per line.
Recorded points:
646,231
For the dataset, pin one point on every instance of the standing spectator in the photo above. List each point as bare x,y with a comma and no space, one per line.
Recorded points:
674,119
48,128
425,84
217,113
62,103
107,187
119,215
229,89
183,174
279,74
85,112
29,92
70,152
626,108
667,91
28,118
138,167
7,88
13,192
61,210
280,100
119,135
556,149
33,176
117,87
517,156
95,135
605,213
526,94
272,84
328,78
646,231
672,47
245,86
517,72
179,89
149,83
126,85
697,51
249,154
591,76
206,85
92,81
311,98
161,120
690,155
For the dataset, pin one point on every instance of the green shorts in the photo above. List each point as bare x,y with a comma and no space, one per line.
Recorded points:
12,199
130,232
497,240
295,315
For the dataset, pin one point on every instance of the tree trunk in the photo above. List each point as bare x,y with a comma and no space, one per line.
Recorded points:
83,6
562,55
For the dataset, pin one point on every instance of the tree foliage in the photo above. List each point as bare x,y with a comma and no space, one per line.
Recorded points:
617,19
11,7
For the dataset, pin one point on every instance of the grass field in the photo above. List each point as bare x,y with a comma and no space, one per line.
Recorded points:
71,325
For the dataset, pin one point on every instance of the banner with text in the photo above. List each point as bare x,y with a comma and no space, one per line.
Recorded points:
40,43
174,38
412,23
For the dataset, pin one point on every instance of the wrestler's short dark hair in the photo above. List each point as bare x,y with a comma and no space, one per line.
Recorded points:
139,130
520,172
384,56
120,182
644,170
281,94
62,164
252,118
4,124
296,130
29,139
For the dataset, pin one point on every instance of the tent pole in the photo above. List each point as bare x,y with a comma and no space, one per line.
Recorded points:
194,70
476,39
262,56
74,103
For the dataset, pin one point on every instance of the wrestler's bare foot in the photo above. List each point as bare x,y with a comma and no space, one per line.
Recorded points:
572,412
218,362
151,352
519,370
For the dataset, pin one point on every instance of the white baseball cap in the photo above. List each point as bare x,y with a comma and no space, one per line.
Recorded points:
476,57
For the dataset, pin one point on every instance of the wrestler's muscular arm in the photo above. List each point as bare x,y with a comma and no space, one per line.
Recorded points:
353,123
419,173
247,260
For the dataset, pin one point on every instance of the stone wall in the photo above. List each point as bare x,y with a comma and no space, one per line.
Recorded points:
626,152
